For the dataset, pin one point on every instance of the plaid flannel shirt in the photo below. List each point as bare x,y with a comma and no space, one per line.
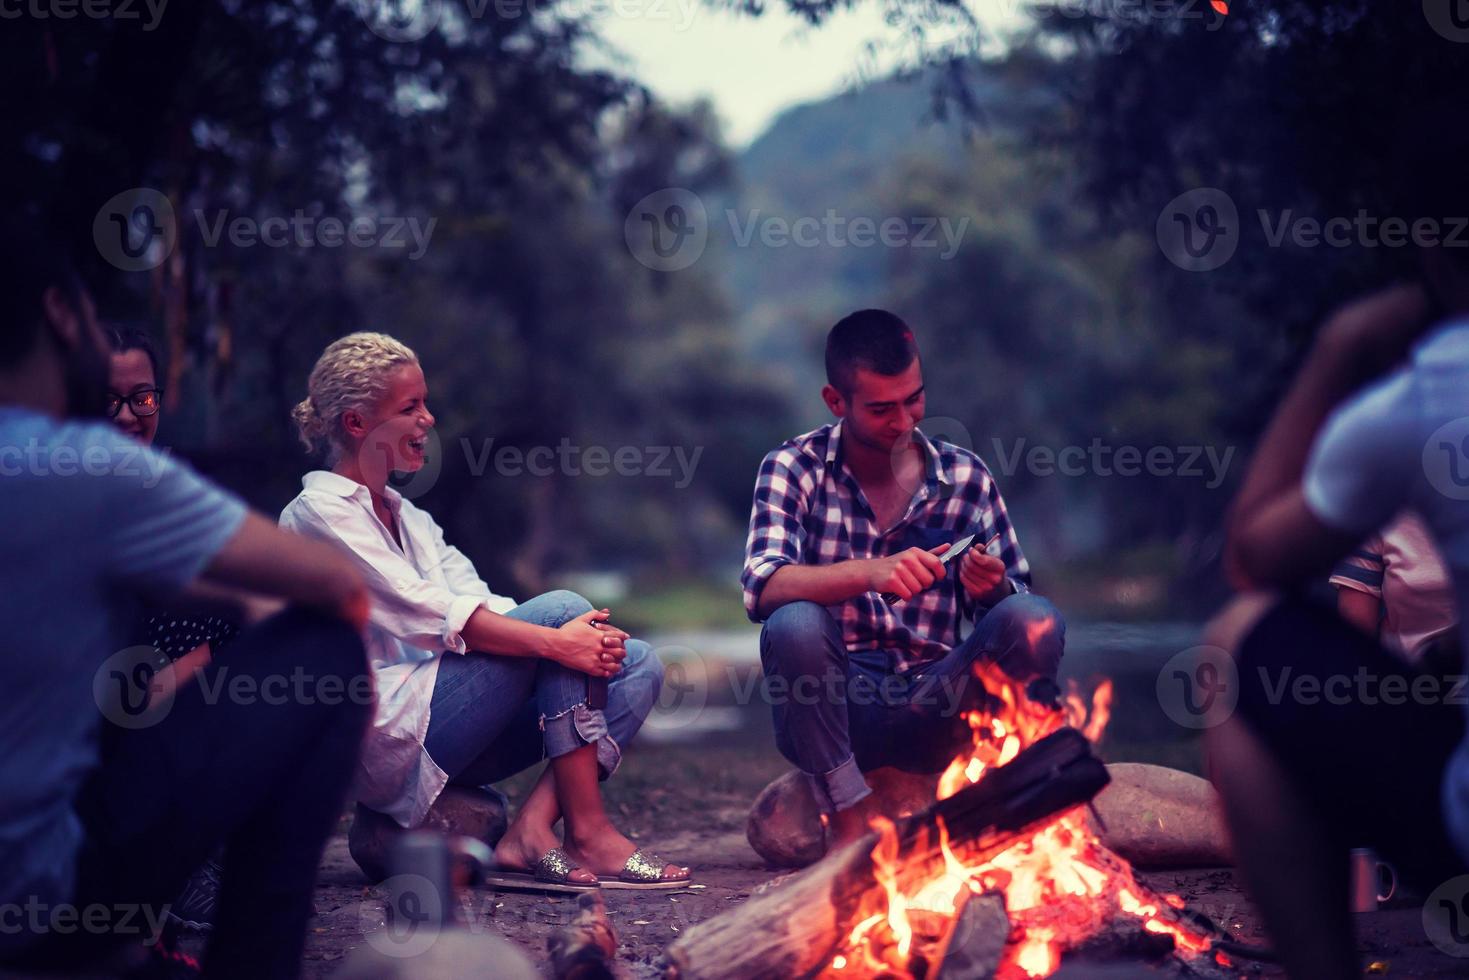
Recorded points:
809,510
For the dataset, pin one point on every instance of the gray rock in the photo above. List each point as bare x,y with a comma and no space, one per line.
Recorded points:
785,828
978,940
478,813
1162,818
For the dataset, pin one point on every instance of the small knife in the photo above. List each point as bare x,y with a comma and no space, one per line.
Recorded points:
957,549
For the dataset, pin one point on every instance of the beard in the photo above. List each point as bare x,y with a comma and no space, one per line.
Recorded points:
86,382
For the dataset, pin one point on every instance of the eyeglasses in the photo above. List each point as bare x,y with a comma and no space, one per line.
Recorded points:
143,402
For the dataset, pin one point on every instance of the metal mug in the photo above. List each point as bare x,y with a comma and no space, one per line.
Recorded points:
1367,877
422,882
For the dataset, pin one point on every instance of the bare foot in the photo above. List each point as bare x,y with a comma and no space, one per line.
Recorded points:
606,851
848,825
523,846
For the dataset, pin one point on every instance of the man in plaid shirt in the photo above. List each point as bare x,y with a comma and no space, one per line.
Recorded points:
863,507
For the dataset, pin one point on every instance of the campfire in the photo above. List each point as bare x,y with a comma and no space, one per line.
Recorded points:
1060,885
1009,833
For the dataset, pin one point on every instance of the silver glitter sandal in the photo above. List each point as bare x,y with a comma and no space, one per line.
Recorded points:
552,873
643,871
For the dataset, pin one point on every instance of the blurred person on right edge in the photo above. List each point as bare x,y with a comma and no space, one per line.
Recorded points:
1335,741
1396,588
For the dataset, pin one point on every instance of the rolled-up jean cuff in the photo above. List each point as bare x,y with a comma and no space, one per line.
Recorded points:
580,725
839,789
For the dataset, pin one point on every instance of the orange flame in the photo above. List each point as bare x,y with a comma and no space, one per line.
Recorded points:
1060,884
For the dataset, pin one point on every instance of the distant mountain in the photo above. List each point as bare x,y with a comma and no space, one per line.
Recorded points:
830,162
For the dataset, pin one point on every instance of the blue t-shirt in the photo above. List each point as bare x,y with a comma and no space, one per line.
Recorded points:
92,519
1404,442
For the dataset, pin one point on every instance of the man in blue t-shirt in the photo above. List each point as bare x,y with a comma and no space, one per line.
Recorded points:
1324,740
119,778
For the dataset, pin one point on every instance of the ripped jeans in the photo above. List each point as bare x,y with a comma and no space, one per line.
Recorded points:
493,716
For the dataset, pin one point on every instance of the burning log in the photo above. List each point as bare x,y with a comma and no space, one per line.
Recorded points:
584,948
794,930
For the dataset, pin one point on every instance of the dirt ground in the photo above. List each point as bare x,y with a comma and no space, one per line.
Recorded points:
684,792
701,824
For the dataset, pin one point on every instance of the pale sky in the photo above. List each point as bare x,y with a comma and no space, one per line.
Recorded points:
754,67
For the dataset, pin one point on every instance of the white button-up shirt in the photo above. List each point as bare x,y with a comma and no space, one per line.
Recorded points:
422,595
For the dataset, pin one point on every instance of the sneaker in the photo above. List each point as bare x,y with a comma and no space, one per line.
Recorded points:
194,907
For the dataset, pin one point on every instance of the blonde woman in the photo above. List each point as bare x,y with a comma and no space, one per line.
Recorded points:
472,687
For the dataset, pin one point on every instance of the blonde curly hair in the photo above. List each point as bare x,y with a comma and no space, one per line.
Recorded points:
351,374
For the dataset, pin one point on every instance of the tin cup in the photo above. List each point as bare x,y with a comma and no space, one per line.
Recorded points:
1372,881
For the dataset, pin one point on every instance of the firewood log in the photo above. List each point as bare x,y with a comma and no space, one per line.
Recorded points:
584,948
793,930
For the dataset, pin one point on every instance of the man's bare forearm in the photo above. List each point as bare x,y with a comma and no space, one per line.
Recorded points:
824,585
264,559
1360,342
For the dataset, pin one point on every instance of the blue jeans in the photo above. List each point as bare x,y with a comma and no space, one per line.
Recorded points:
838,713
492,716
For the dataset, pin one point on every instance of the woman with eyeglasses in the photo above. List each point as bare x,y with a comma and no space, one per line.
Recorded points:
188,638
133,395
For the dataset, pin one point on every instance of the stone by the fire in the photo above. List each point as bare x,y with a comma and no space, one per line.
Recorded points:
458,811
449,955
1162,818
1155,817
978,939
785,828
